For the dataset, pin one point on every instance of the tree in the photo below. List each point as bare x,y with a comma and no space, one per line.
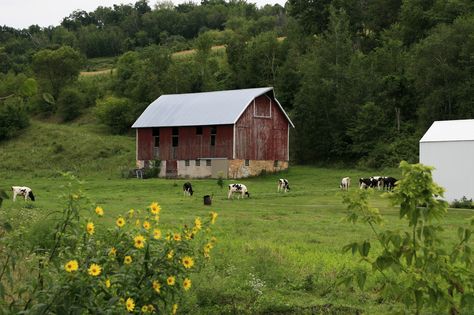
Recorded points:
57,68
13,118
70,104
116,113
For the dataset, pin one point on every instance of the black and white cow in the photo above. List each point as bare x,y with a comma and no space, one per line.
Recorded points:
377,181
188,189
23,191
345,183
240,189
365,183
389,183
283,185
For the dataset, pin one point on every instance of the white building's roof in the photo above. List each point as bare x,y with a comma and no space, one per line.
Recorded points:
450,130
200,109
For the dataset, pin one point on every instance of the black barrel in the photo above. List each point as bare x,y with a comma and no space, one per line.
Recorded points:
207,200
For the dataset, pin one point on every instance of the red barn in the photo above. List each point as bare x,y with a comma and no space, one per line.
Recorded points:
235,133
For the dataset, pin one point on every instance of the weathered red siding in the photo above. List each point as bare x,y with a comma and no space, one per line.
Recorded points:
190,145
261,136
144,144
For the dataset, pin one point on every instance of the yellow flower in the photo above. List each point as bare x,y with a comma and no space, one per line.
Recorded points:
130,303
90,228
75,197
157,218
168,237
144,309
213,239
186,284
107,283
198,223
120,222
155,208
94,270
188,262
130,213
156,234
171,280
113,251
99,211
156,286
175,309
177,237
137,222
170,254
71,266
139,241
146,225
151,308
127,260
213,217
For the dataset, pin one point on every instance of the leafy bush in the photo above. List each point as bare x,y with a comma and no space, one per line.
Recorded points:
429,275
464,203
116,113
133,266
70,104
13,118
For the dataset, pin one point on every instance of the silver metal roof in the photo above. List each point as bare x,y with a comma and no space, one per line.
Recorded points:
450,130
200,109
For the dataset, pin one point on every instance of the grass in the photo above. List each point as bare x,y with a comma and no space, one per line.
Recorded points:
276,254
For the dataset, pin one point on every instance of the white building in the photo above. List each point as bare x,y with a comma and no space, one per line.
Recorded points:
449,147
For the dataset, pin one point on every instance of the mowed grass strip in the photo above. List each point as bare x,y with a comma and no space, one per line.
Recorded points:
276,252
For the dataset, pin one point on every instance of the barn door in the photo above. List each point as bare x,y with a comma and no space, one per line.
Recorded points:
171,168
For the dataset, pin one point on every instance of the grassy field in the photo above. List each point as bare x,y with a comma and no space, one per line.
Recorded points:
276,254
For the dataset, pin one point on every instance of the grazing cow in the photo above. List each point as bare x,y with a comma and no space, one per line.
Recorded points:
365,183
187,189
389,183
238,189
283,185
377,181
345,183
23,191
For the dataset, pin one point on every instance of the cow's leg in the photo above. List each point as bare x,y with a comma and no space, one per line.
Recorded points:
14,195
229,194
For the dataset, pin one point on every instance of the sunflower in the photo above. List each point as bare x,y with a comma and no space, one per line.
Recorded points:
113,251
170,254
171,280
71,266
144,309
94,270
127,260
131,212
137,222
107,283
120,222
198,223
213,217
156,234
186,284
90,228
175,309
139,241
157,286
177,237
130,304
155,208
99,211
187,261
146,225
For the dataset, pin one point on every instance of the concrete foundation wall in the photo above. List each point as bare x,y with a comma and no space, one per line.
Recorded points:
193,171
238,169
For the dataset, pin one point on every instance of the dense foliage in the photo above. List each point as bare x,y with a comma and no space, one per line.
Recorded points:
362,81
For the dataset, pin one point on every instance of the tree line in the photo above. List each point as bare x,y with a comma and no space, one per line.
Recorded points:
362,81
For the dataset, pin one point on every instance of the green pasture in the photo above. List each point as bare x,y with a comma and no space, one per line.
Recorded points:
277,253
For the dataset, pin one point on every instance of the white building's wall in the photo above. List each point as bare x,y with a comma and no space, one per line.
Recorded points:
454,166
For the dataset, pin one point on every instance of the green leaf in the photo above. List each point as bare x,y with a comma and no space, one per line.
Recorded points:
48,98
361,277
365,248
467,302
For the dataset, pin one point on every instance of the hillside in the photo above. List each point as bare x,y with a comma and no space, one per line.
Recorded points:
46,148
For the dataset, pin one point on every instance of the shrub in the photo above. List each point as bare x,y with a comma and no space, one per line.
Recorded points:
13,118
116,113
133,266
70,104
464,203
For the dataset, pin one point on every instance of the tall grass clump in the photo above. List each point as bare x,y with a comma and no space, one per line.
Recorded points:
87,268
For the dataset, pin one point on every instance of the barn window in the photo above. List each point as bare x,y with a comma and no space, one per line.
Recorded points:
156,136
186,162
198,162
247,162
213,135
208,162
263,107
199,130
175,136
